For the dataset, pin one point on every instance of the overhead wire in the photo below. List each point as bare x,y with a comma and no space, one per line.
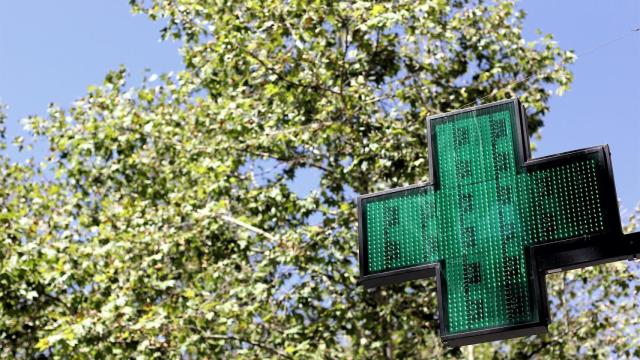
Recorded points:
543,73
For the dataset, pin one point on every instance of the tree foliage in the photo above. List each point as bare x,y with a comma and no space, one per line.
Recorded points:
163,222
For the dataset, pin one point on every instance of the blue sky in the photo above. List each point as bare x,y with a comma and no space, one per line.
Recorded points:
52,51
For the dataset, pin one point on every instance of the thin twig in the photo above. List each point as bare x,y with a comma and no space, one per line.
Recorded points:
242,340
58,300
284,78
246,226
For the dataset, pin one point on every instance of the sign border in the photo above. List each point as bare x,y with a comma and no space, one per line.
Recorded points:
559,255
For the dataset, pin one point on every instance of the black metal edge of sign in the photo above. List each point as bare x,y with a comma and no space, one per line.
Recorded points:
585,251
560,255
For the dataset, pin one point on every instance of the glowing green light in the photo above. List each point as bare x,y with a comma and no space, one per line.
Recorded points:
477,223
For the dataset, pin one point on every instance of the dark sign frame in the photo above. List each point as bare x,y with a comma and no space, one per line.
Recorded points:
561,255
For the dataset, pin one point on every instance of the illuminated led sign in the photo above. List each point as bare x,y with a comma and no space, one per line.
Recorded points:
491,223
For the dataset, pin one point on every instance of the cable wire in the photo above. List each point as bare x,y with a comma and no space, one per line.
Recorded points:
563,62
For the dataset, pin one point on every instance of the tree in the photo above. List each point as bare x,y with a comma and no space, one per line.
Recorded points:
162,222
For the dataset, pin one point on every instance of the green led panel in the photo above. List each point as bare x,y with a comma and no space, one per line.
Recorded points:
484,209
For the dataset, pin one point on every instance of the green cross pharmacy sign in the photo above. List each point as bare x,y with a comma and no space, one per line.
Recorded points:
491,223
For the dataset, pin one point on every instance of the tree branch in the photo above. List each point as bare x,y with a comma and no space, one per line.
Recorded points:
284,78
542,346
246,226
243,340
293,160
59,301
